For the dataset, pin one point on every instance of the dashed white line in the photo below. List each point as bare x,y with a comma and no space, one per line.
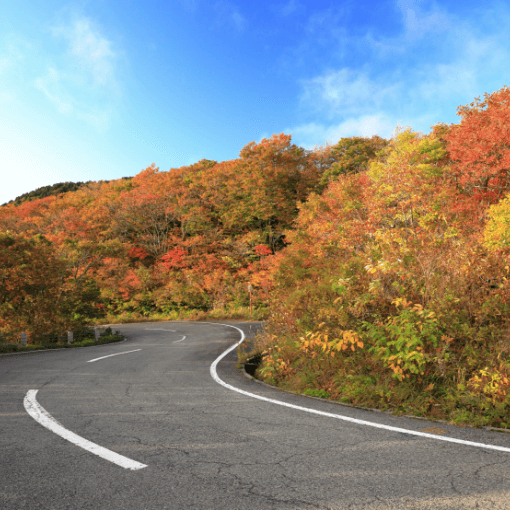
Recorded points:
110,355
40,415
214,375
177,341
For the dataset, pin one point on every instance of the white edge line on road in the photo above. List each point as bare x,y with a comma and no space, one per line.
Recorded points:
110,355
214,375
40,415
177,341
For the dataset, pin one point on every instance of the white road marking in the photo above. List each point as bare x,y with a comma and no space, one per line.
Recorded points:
177,341
110,355
159,329
40,415
214,375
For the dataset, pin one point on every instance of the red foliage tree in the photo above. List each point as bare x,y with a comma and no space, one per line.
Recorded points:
479,148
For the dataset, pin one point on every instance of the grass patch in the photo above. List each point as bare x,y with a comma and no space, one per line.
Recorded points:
317,393
235,313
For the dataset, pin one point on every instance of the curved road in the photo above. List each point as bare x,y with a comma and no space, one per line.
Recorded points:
194,443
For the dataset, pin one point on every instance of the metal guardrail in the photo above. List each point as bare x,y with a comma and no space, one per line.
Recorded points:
24,338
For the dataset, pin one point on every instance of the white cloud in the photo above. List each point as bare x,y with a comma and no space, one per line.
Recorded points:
238,20
90,50
418,23
308,135
97,117
81,81
477,64
51,86
12,57
228,14
418,76
289,8
346,91
326,22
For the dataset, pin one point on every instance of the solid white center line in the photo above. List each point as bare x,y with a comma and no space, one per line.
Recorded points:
214,375
177,341
40,415
110,355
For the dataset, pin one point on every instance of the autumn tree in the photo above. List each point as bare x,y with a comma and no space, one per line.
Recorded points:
277,178
352,155
480,150
497,229
32,286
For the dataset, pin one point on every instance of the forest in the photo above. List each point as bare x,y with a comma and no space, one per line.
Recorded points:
46,191
381,267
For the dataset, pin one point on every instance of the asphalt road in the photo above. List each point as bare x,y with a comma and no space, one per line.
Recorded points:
206,446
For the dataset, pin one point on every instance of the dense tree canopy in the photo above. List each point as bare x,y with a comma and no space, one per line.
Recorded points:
352,155
370,256
189,238
480,151
286,218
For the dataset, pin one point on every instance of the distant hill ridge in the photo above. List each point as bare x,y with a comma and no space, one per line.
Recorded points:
54,189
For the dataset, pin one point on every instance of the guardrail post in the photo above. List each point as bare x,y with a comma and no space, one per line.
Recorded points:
96,334
69,337
23,339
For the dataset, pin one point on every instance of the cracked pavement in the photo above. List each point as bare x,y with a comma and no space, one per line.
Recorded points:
207,447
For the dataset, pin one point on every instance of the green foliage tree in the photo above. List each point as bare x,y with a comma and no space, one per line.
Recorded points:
352,155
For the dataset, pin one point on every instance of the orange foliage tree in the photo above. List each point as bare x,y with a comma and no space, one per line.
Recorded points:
480,151
386,253
34,295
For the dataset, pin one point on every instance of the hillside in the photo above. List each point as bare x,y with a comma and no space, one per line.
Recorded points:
53,190
381,266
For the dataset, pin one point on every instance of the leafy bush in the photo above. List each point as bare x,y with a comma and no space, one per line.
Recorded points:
392,265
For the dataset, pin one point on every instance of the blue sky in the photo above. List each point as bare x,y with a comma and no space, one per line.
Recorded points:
101,89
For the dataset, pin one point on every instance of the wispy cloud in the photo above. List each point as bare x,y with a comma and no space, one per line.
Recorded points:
12,57
417,77
418,23
288,8
227,14
84,83
90,49
52,87
346,91
326,21
308,135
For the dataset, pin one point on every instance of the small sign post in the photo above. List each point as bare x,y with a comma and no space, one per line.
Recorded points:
249,292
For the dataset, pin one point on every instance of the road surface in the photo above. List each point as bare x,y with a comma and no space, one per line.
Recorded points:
143,424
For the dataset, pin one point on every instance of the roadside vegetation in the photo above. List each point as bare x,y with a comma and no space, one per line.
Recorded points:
381,266
394,289
85,338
